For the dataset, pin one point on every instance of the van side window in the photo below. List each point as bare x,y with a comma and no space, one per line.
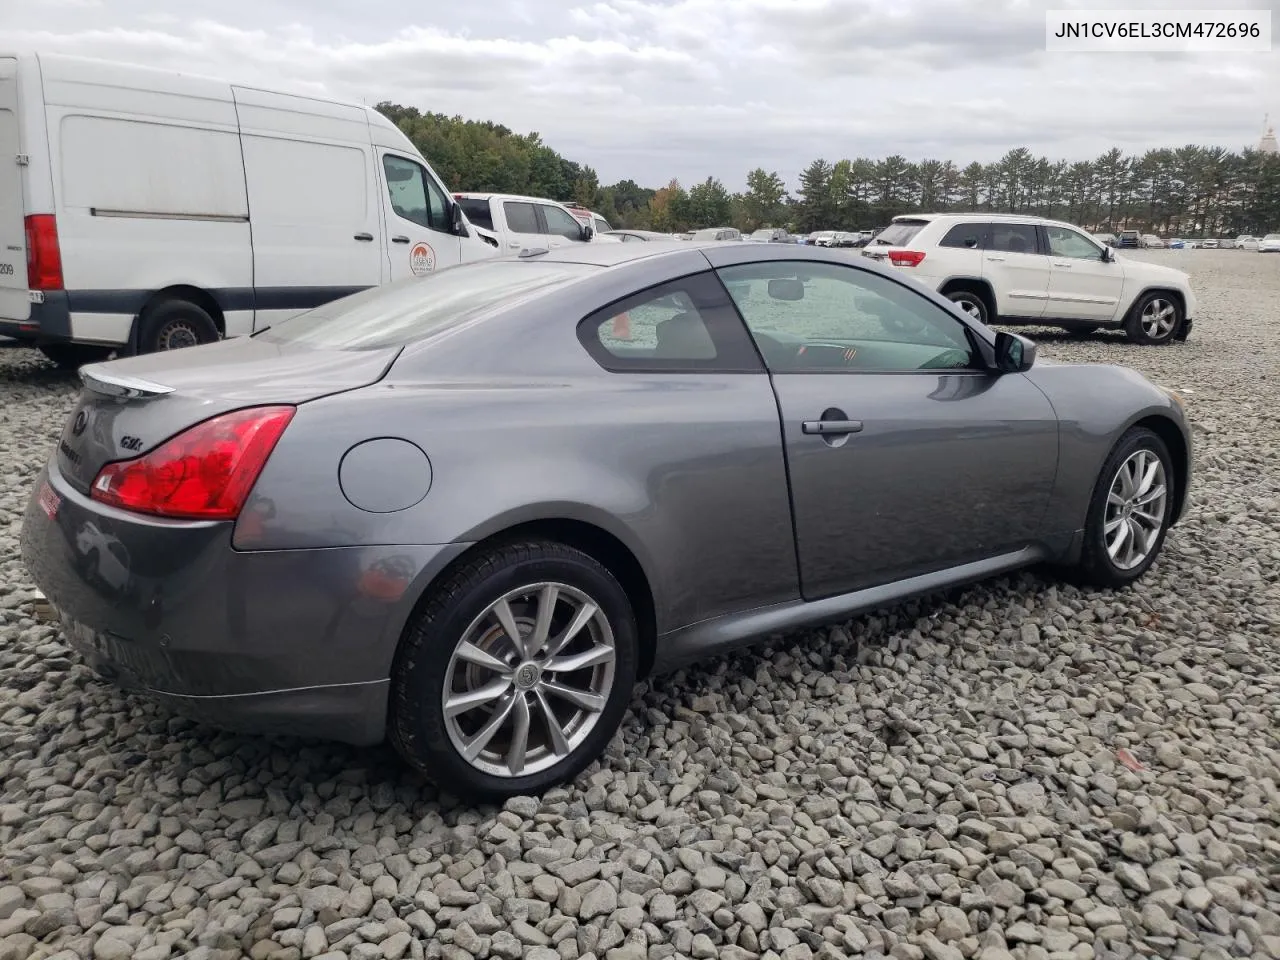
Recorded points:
414,195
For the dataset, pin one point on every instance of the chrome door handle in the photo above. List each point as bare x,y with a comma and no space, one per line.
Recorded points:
514,244
1059,263
996,259
831,428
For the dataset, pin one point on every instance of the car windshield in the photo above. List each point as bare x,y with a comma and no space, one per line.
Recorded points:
414,309
899,233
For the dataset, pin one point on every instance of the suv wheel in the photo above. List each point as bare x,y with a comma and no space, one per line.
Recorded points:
1154,319
970,303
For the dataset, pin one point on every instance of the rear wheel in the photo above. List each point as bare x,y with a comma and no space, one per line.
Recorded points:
971,303
516,674
173,324
72,356
1154,320
1130,511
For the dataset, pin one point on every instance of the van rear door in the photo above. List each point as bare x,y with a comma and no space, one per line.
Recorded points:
15,301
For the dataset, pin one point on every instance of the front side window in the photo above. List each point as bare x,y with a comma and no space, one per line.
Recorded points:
414,195
1013,238
561,223
521,217
1068,243
820,317
685,325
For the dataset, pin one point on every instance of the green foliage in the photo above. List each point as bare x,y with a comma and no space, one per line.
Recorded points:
1192,190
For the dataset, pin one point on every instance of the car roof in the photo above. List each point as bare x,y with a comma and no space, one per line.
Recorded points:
506,196
985,217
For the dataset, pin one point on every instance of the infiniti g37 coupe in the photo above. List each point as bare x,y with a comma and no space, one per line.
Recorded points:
467,512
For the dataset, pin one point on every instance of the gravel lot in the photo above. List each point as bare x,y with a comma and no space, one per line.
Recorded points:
1018,769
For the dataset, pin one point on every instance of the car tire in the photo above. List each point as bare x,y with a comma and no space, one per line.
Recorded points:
1108,557
174,324
457,648
72,356
1154,320
972,304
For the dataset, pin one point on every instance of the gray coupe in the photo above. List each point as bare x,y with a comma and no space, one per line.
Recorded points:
468,511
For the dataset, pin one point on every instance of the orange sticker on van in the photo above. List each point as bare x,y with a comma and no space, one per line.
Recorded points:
422,259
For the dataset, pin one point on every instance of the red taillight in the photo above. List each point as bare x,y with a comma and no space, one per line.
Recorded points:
906,258
44,259
204,473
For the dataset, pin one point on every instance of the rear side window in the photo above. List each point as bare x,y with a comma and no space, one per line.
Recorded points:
477,211
521,217
900,233
1013,238
970,235
686,325
415,309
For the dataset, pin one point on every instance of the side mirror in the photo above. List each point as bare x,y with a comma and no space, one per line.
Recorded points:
1014,354
786,289
1107,255
457,222
587,232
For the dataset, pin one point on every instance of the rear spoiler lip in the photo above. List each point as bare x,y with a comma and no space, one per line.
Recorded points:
119,385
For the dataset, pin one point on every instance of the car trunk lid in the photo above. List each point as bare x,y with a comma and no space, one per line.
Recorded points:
131,406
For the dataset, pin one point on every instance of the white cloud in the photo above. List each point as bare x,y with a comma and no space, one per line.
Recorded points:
650,89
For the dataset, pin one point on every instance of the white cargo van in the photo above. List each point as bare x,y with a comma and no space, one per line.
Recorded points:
515,222
143,210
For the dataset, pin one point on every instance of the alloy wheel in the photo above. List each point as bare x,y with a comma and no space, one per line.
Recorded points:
1158,318
1135,509
527,682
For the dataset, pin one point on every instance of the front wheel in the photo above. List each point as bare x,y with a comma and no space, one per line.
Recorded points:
1154,320
516,674
1130,511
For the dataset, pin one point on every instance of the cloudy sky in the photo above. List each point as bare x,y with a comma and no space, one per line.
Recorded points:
650,89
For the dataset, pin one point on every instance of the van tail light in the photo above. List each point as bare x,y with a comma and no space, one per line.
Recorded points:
906,258
44,258
204,473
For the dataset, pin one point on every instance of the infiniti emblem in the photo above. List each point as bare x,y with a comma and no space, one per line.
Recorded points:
527,676
81,421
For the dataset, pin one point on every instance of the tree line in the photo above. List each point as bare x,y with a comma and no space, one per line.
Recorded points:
1192,190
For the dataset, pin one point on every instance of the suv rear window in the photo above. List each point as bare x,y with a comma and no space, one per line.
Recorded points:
477,211
1132,234
965,235
899,233
415,309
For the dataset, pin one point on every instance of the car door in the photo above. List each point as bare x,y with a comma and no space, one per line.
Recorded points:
559,225
416,214
524,229
1017,269
1082,285
905,455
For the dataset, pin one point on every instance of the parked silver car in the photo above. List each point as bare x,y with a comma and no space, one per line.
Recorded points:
469,510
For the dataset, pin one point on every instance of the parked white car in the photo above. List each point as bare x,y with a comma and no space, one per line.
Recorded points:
1246,242
1027,270
149,210
1151,241
716,233
511,222
1270,243
597,223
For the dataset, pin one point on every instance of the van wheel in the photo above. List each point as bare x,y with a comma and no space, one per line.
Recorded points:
72,356
173,324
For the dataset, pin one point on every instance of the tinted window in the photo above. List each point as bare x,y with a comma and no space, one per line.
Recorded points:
600,224
561,223
1069,243
685,325
899,233
408,311
821,317
521,217
1013,238
477,211
414,195
964,235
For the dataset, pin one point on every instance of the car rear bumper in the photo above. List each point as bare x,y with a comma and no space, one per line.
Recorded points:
282,641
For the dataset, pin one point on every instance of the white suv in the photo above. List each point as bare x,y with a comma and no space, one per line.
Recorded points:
1027,270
